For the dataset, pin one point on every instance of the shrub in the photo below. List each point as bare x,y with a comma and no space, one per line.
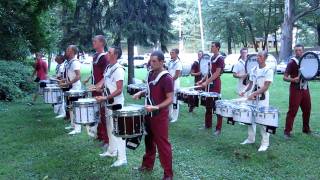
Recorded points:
14,80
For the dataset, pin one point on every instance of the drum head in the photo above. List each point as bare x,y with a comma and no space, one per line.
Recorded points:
210,94
204,68
130,110
309,65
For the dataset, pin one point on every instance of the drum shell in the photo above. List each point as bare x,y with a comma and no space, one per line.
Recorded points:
128,126
193,100
243,115
267,118
208,101
52,95
86,112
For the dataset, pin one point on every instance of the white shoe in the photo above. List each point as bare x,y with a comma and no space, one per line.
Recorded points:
74,132
173,120
263,148
60,116
68,128
108,154
119,163
247,142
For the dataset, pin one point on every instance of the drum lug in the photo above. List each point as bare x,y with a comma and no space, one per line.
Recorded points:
271,130
230,121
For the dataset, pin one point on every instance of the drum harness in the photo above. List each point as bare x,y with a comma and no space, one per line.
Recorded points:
256,86
175,62
148,99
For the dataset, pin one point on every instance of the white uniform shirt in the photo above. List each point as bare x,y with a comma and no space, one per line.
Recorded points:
60,70
173,66
112,74
71,67
240,69
259,77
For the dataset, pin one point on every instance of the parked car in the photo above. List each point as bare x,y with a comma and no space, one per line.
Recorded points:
139,61
230,61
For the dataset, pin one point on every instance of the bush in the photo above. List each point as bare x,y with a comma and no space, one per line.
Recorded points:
14,80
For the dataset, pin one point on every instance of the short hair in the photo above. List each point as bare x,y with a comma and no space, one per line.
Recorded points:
100,38
39,54
117,51
73,48
176,50
60,57
263,53
217,44
158,54
299,46
243,49
200,51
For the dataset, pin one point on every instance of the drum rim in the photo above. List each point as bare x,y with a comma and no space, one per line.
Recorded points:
317,57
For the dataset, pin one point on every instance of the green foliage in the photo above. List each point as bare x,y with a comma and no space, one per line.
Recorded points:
14,80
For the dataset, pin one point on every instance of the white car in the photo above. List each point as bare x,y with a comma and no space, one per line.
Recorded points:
139,61
230,61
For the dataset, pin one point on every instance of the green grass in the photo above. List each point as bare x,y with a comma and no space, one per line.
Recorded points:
34,145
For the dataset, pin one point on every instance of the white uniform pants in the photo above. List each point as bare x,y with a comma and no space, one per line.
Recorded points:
116,144
264,134
174,112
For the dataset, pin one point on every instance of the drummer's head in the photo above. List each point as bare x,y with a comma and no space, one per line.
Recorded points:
298,50
200,54
262,57
99,42
59,59
215,47
156,60
71,51
114,53
244,53
174,53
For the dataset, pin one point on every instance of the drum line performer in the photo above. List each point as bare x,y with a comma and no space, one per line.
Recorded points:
99,64
113,88
260,79
175,68
212,83
60,108
299,95
159,94
239,71
195,71
72,70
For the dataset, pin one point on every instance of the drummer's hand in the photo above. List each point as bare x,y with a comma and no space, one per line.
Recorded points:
100,98
136,96
252,96
151,108
296,79
85,81
92,88
241,94
65,84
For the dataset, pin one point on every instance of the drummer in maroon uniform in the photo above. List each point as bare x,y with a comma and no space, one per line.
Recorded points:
195,71
99,64
299,94
160,98
212,83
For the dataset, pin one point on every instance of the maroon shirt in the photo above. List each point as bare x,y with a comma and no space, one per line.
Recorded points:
98,70
158,92
215,65
41,69
195,68
293,71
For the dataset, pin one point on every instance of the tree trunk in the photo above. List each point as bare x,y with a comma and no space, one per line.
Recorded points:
276,43
130,42
252,36
287,27
49,60
267,27
318,33
229,36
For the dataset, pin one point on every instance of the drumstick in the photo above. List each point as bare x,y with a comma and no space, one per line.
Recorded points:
193,87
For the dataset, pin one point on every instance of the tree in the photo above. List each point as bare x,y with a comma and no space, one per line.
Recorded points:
291,15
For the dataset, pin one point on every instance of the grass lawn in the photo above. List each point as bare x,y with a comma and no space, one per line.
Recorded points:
34,145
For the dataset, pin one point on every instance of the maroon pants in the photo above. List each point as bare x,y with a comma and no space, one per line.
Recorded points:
102,127
157,138
298,98
208,119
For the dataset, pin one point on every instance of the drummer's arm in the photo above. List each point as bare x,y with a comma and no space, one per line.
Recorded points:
167,101
176,75
263,89
77,78
139,94
118,91
249,87
202,80
214,76
287,78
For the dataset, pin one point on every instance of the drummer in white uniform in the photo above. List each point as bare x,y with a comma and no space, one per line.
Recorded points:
175,68
59,108
113,90
72,69
239,71
261,78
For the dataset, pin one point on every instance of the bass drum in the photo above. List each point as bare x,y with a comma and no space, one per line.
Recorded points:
204,67
310,66
252,62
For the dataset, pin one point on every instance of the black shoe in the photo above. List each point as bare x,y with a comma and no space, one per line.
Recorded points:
308,132
143,169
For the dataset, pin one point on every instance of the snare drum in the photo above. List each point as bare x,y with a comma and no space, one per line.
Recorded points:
267,116
191,98
224,108
243,113
52,95
128,121
74,95
208,99
134,88
180,94
86,111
